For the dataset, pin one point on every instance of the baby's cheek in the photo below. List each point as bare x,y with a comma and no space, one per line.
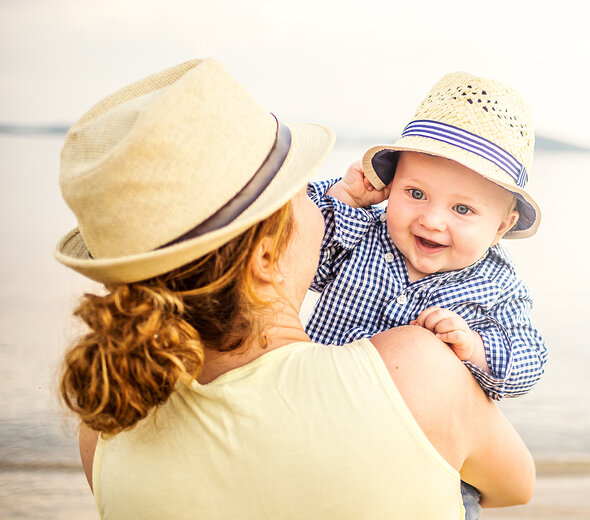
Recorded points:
474,247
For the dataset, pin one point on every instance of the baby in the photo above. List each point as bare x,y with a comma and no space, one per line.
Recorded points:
455,186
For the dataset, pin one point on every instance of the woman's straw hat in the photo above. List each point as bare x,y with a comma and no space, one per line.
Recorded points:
172,167
479,123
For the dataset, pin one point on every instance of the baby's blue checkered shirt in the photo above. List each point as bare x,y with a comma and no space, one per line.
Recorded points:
365,289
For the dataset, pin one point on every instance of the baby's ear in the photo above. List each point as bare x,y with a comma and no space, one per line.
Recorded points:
506,225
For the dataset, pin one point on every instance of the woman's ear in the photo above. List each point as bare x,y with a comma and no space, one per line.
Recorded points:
260,264
506,225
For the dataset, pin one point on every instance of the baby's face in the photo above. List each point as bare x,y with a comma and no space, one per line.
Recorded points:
443,216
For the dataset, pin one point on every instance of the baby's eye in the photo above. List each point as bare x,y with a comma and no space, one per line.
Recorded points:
416,194
462,209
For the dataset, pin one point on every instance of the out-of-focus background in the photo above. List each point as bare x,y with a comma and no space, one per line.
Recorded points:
360,67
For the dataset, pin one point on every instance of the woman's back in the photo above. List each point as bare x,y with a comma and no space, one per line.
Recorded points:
304,431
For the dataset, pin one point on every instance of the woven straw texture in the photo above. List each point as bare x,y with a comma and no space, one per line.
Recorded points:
488,109
153,160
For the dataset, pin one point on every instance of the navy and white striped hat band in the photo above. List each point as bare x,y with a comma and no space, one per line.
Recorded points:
473,143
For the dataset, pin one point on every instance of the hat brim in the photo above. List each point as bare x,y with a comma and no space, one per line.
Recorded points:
310,145
529,209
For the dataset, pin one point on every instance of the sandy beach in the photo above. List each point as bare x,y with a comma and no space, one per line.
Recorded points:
561,493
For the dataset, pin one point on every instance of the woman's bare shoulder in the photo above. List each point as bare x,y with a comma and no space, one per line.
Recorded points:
415,357
435,385
413,348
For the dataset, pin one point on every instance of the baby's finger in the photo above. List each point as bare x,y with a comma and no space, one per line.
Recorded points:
421,318
459,344
358,166
454,337
434,318
448,324
355,170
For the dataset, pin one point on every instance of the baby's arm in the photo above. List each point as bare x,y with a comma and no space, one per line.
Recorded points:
515,348
355,189
345,227
454,331
345,219
503,350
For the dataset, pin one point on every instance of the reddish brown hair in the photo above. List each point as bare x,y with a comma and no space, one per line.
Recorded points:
143,336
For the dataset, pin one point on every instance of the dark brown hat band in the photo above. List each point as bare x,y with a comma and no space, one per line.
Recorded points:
249,193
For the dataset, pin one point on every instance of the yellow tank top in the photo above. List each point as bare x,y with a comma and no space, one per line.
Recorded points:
303,432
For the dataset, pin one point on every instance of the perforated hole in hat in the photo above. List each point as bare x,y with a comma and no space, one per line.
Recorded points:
483,107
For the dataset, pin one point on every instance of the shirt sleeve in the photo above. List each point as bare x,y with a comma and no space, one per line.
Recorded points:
345,227
515,350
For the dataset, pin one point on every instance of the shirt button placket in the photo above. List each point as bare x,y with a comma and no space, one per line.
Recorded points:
401,299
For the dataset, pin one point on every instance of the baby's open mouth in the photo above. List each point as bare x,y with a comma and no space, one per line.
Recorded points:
429,244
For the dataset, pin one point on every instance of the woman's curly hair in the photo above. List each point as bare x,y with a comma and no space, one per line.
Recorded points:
143,336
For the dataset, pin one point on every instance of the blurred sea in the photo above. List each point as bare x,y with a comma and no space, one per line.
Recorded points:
40,474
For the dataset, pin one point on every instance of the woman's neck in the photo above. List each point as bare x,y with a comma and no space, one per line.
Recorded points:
285,328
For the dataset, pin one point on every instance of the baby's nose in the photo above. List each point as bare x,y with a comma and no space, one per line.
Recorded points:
432,218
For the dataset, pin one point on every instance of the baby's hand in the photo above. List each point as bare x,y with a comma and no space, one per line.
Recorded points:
453,330
355,189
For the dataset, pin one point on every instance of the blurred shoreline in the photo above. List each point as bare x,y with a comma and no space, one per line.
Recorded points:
345,137
544,467
65,495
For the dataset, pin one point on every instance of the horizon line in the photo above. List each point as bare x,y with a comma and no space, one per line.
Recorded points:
542,142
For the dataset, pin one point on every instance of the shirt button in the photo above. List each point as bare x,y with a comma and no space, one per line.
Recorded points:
383,217
402,298
388,257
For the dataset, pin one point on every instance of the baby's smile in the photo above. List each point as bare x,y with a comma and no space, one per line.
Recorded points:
428,246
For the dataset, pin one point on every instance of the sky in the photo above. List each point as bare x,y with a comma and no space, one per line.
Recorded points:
361,67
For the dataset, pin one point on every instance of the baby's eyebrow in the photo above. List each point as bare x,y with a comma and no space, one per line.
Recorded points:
408,179
470,200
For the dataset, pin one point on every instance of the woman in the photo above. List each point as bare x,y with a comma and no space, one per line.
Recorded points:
196,371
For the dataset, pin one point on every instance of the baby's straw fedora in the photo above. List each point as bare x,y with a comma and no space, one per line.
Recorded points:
172,167
479,123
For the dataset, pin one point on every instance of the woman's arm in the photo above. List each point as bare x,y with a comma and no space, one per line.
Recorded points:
87,440
464,425
499,465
